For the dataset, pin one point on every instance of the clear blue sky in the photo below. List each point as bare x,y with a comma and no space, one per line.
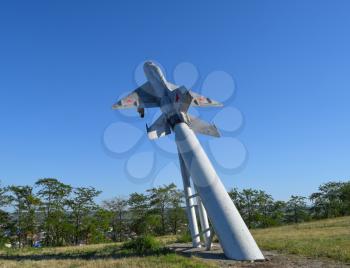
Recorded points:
63,63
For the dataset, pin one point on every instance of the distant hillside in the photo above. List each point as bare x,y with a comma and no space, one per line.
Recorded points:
324,238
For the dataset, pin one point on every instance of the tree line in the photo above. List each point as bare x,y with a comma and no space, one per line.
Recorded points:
55,214
260,210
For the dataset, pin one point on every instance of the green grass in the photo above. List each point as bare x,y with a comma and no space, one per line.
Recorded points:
325,238
99,256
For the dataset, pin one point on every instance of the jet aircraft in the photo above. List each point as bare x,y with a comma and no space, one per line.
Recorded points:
173,100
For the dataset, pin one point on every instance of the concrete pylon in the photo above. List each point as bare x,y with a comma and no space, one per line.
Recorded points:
203,219
234,236
190,209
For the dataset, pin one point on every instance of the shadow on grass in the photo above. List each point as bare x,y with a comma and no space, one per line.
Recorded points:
108,252
188,251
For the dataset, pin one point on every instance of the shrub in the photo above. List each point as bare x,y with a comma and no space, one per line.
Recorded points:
184,238
145,245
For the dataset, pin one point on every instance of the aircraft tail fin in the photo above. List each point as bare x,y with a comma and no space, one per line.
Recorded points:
162,128
159,128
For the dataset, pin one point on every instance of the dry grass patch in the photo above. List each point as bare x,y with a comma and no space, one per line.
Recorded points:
325,238
100,256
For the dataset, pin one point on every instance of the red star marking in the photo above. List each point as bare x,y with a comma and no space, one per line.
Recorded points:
177,98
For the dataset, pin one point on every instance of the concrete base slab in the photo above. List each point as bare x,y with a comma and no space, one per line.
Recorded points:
273,259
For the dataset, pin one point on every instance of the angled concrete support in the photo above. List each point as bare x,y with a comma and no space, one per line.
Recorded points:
234,236
190,209
203,218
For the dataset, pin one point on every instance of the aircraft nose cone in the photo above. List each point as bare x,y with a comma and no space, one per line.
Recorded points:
148,63
148,66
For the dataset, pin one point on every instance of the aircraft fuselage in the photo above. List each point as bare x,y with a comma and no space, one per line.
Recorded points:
155,76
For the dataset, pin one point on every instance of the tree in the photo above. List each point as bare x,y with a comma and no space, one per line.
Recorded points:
139,213
265,206
345,197
96,226
117,207
249,204
236,198
177,215
54,196
4,198
6,226
53,193
25,203
328,202
5,220
160,201
81,205
278,213
296,209
258,209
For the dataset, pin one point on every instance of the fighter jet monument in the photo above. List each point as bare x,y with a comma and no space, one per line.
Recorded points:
212,198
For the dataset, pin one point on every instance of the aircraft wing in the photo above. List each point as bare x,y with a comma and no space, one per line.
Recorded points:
142,97
201,101
198,100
